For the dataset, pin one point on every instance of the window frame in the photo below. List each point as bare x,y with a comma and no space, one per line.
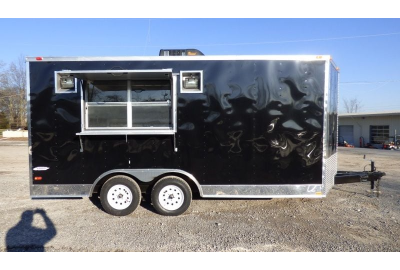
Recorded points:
130,75
57,87
191,91
104,104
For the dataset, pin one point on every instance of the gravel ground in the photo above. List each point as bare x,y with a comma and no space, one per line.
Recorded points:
348,219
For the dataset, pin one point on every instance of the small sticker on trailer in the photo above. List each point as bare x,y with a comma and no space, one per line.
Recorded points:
41,168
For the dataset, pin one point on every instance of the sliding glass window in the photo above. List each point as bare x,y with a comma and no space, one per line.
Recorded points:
107,104
128,104
151,103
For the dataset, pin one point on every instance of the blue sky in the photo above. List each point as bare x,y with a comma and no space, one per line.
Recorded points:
366,50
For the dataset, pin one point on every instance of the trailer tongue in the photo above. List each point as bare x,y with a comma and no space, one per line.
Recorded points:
372,176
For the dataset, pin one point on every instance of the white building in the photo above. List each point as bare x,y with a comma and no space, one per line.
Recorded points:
373,128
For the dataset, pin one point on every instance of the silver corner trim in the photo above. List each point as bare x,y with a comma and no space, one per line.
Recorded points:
56,196
60,191
329,171
28,116
325,124
262,196
334,65
262,191
326,113
146,175
185,58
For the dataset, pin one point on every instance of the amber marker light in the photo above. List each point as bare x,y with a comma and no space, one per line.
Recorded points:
38,178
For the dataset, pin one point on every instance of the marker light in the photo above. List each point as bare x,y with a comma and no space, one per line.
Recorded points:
67,82
39,58
38,178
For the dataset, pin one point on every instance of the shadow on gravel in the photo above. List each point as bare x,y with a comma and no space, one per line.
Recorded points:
145,203
148,206
366,193
96,201
25,237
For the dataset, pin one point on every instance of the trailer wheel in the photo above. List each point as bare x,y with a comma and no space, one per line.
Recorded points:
120,195
171,196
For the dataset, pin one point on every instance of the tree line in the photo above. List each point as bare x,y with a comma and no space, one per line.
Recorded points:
13,106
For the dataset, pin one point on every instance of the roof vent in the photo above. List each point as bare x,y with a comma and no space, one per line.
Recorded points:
179,52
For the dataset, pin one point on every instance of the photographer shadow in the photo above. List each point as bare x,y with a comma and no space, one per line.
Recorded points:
25,237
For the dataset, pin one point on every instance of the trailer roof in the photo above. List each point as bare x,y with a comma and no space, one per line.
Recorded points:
181,58
385,113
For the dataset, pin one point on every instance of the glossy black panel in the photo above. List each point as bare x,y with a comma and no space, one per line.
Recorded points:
256,122
332,112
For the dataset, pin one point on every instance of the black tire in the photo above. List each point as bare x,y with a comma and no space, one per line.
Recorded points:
126,195
171,196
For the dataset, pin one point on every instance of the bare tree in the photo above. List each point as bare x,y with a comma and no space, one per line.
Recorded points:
13,92
352,105
3,121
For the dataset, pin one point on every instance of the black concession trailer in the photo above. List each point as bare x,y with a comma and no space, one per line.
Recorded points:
221,126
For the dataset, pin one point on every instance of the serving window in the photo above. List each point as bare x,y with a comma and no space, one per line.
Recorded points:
127,102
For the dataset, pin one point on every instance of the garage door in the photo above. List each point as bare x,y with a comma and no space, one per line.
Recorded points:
346,134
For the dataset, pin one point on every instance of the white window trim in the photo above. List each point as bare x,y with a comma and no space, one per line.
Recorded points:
129,130
57,87
183,91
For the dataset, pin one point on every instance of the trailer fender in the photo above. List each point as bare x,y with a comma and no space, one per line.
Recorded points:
146,176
